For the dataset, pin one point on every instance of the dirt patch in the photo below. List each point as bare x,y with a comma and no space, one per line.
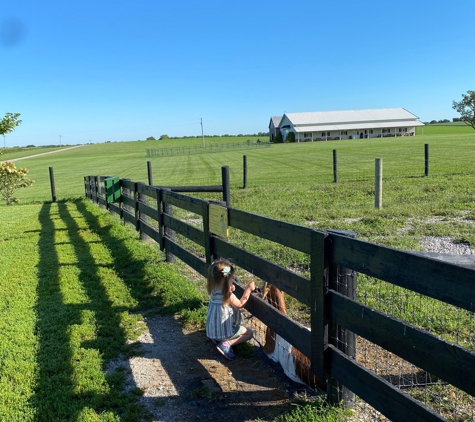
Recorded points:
184,378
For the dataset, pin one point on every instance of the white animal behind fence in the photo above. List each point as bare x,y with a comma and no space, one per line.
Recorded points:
295,365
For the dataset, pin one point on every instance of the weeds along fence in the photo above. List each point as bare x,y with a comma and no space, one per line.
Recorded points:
216,147
391,332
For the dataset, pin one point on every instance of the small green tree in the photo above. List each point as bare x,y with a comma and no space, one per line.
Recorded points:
12,179
151,138
290,137
163,137
278,138
466,108
9,123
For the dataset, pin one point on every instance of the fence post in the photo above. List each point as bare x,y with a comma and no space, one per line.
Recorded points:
53,188
102,192
91,185
160,218
344,281
378,183
335,167
426,154
93,188
87,182
206,234
225,181
149,170
125,192
168,233
244,171
136,207
139,217
319,329
96,188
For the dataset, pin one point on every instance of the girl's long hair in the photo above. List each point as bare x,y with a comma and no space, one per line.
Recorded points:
220,273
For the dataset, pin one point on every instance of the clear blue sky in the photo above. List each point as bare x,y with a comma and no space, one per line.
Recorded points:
96,71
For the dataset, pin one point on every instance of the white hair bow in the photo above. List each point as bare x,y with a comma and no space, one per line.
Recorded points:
226,270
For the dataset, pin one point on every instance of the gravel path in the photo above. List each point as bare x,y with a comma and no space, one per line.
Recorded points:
445,245
45,153
184,378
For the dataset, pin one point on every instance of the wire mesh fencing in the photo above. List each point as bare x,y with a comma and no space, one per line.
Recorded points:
445,321
206,149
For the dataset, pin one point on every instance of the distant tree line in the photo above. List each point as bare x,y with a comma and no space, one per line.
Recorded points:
455,119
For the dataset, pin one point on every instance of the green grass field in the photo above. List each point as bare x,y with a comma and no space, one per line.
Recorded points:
74,283
303,163
74,287
444,129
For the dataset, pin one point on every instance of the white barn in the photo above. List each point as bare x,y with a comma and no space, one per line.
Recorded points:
349,124
274,127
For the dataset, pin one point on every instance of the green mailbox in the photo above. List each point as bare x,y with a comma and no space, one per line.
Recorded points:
112,189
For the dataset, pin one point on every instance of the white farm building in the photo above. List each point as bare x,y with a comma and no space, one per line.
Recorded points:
349,124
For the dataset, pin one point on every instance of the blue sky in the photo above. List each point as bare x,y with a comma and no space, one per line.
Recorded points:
96,71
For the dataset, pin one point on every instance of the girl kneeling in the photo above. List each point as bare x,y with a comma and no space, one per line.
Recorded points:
223,321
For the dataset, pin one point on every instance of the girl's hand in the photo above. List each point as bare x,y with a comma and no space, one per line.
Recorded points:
251,286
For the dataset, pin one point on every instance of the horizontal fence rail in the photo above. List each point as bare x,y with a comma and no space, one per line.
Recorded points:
333,310
440,280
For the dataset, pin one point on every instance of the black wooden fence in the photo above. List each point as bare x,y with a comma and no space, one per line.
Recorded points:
329,253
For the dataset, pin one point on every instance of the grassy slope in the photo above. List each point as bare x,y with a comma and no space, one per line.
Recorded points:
297,177
306,164
13,153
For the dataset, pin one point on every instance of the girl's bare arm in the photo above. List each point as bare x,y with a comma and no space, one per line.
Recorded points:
239,303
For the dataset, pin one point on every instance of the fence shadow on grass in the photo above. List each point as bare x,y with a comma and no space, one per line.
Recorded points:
63,393
132,273
53,319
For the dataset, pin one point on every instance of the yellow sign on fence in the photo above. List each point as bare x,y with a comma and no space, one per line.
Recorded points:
218,220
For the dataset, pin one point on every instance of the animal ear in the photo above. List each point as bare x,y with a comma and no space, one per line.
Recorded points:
266,291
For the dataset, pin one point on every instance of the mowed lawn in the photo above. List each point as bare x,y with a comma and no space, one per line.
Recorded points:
444,128
73,285
306,164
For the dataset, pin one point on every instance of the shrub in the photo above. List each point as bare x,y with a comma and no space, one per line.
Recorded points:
12,179
278,138
290,137
151,138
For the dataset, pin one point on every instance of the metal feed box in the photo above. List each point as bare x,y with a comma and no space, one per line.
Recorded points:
112,189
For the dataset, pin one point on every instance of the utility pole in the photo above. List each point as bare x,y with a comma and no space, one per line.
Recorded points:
59,140
202,135
4,144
